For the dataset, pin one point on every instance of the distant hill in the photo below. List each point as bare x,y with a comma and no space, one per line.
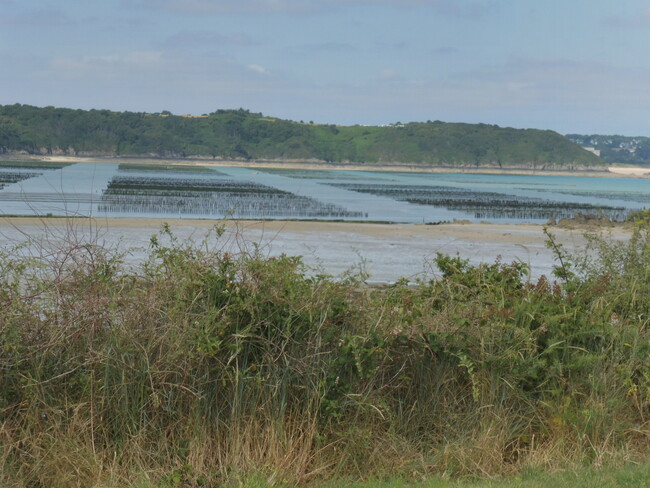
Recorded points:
616,149
240,134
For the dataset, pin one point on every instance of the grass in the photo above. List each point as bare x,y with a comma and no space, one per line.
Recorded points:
167,168
208,367
631,476
41,165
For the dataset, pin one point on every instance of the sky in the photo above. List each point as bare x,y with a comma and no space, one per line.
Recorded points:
573,66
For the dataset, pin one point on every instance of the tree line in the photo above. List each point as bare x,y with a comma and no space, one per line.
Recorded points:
241,134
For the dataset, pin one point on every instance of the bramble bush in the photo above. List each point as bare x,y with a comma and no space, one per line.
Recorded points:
205,366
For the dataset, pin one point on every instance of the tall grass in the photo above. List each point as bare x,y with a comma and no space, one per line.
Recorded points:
203,366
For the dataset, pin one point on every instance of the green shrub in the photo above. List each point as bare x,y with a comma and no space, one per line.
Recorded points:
204,366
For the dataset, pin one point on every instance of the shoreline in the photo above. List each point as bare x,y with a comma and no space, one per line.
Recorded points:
385,252
609,172
462,227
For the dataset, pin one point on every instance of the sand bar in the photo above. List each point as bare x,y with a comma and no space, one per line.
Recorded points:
387,252
631,171
320,165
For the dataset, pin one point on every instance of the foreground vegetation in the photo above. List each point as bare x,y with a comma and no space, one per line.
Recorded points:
632,476
204,367
244,135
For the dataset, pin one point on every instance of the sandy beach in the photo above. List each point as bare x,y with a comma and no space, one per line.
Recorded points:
631,171
387,252
612,172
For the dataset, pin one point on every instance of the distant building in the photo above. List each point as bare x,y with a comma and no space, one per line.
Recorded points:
593,150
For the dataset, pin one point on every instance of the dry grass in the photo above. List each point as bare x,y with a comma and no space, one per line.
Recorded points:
206,366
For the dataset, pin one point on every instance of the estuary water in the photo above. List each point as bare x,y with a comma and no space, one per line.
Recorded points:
105,190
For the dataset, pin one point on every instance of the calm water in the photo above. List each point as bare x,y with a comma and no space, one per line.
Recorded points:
110,190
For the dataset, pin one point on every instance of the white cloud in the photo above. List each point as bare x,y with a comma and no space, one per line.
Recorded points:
560,94
142,81
143,58
542,85
257,68
388,74
445,51
640,20
471,9
456,8
233,6
194,39
111,64
321,47
40,18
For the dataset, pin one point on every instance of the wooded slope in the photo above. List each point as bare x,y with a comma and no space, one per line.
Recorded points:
241,134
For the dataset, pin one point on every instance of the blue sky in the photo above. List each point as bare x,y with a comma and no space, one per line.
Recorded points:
566,65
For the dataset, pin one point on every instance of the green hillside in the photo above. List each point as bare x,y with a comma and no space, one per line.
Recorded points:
616,149
244,135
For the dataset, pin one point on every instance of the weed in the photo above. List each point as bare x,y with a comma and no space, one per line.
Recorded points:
205,366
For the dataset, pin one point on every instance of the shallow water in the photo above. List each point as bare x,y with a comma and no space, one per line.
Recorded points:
81,189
